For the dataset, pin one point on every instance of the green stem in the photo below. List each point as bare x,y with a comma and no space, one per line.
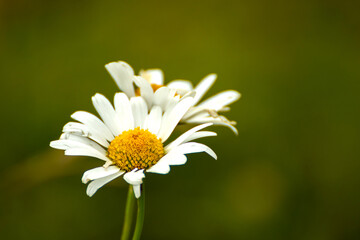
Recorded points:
128,218
140,215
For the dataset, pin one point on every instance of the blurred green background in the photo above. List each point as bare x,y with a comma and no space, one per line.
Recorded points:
293,171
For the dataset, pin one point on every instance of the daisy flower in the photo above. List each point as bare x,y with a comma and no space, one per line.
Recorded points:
129,138
150,83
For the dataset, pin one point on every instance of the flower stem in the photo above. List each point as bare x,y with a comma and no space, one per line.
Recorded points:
140,215
129,214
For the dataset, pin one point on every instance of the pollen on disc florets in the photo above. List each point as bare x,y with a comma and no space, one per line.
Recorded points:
135,148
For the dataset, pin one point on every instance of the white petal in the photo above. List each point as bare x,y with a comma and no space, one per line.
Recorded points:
176,158
146,90
161,97
161,167
59,144
204,86
172,117
229,125
82,130
193,147
200,134
172,100
137,190
85,152
189,94
107,113
135,177
185,135
220,100
98,172
155,76
79,141
76,128
195,110
181,86
153,121
216,121
139,110
123,74
124,112
224,109
98,183
94,124
78,147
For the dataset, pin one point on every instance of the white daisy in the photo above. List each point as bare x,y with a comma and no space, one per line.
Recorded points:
130,138
151,81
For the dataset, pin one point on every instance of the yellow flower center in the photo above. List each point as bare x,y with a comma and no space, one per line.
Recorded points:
135,148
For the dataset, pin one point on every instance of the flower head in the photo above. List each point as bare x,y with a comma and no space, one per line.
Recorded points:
130,137
149,85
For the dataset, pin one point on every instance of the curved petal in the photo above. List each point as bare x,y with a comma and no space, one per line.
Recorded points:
123,74
200,134
98,172
181,86
195,110
82,141
79,146
185,135
193,147
93,123
135,177
155,76
161,167
216,121
204,86
80,129
98,183
176,158
85,152
76,128
220,100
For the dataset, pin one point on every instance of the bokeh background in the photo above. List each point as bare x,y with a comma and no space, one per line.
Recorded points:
293,171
